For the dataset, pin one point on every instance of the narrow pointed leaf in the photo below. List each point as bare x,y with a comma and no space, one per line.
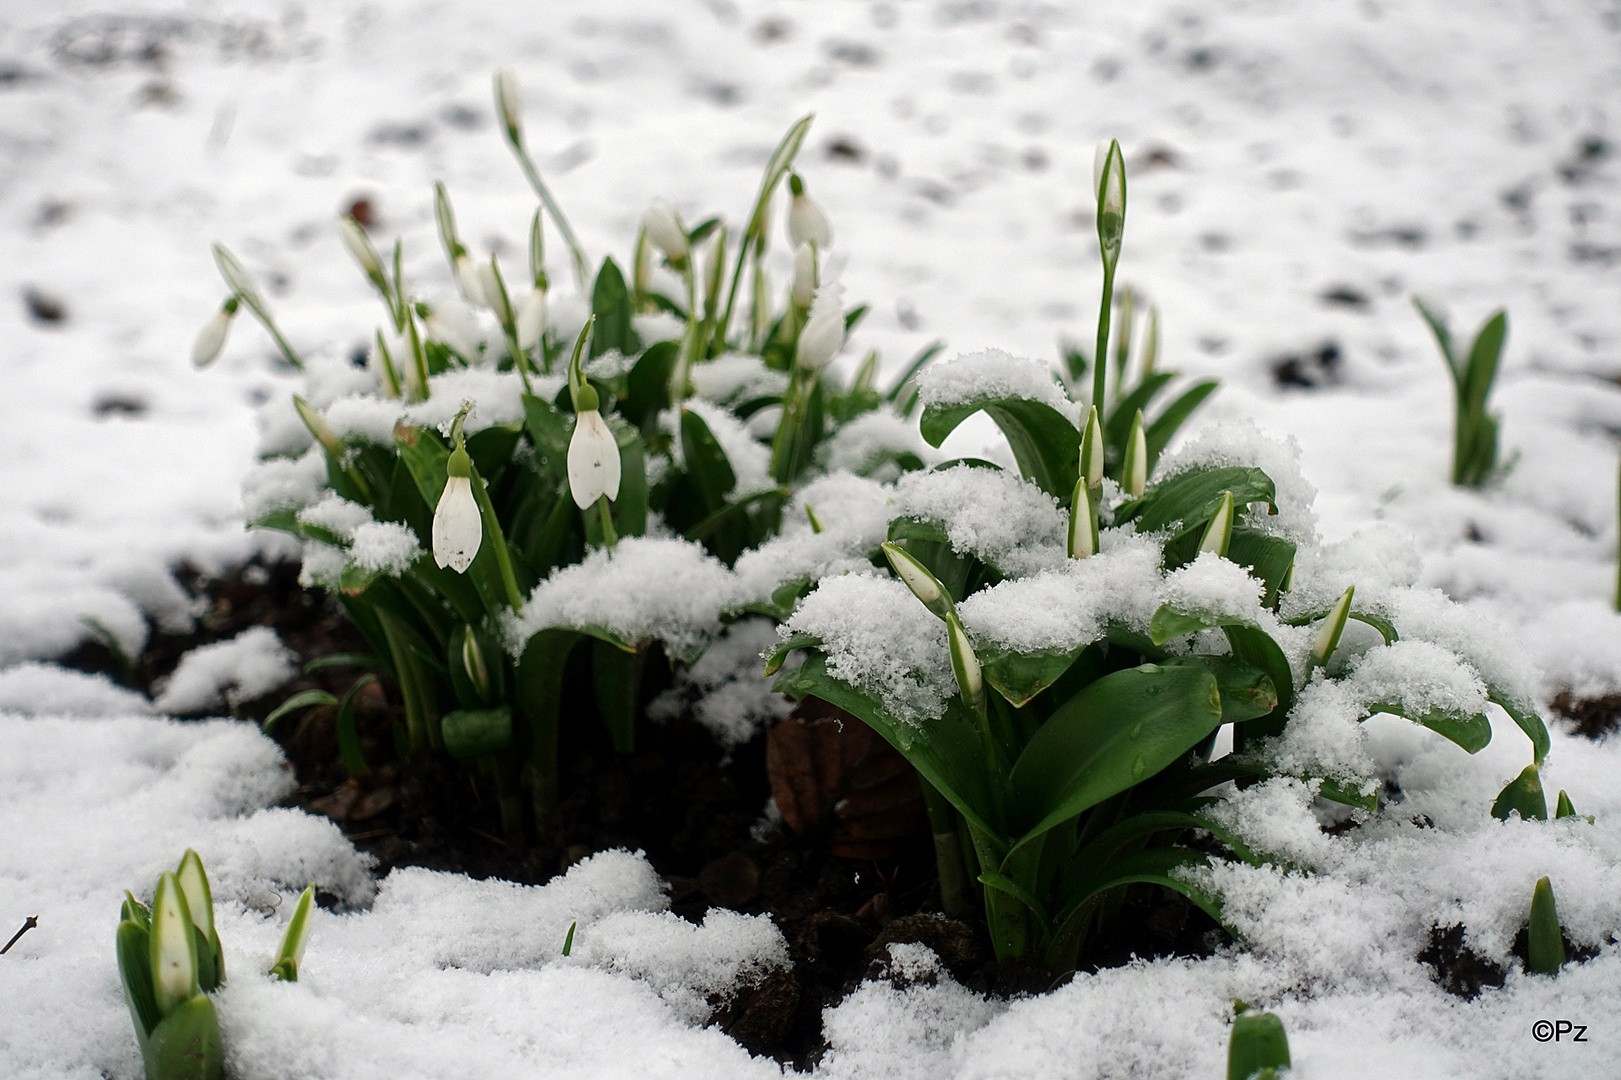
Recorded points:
1044,442
1545,945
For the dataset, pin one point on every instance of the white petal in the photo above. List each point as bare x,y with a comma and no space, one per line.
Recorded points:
806,222
823,335
211,339
457,526
804,274
593,460
1100,158
664,230
467,280
531,319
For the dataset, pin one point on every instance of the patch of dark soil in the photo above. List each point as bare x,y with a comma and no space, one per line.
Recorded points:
846,874
1459,970
1592,717
1308,370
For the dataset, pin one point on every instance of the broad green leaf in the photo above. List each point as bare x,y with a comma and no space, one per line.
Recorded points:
706,462
1004,884
549,430
1118,426
948,751
1470,732
1386,628
1153,866
1020,676
648,383
1044,442
1482,366
1189,499
610,303
186,1044
1247,691
354,760
1121,730
618,676
909,375
630,509
1170,623
474,732
1255,646
135,972
1115,839
1267,558
331,660
1348,795
1443,338
911,528
538,692
1523,794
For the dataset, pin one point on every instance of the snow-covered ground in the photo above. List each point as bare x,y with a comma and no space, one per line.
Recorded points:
1297,170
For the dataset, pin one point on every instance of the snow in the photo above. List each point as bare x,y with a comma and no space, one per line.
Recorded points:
724,688
735,378
992,513
1276,152
248,666
990,374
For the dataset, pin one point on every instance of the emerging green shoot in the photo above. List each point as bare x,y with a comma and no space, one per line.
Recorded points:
1474,452
291,952
1545,945
1258,1048
1523,796
1219,533
1328,636
1134,470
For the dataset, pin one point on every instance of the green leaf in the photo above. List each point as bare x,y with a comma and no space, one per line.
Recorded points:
1117,429
1112,841
135,972
1189,499
1153,866
648,383
1255,646
1044,442
1525,715
291,951
354,760
186,1044
1165,426
778,653
1443,338
1170,623
909,375
343,659
706,462
1524,796
1386,628
630,508
1247,691
1564,807
1545,942
1003,883
1482,366
474,732
1116,733
1347,795
1259,1047
1267,558
1470,732
948,752
1020,676
301,700
425,456
610,303
618,676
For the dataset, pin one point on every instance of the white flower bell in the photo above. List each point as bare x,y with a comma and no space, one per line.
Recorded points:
823,335
468,281
458,528
593,453
806,222
532,319
665,231
360,246
804,286
211,338
454,325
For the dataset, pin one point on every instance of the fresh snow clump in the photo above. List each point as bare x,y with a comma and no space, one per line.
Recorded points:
993,373
247,666
991,513
729,697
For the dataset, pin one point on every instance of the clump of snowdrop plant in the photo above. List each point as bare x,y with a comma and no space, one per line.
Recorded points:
493,504
1474,443
1059,651
170,961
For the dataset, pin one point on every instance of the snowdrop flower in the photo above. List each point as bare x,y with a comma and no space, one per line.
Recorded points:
508,104
804,286
458,528
1134,475
593,452
1109,188
532,319
453,324
1328,636
360,246
174,950
211,338
1092,450
965,664
665,231
823,335
469,281
806,222
1220,531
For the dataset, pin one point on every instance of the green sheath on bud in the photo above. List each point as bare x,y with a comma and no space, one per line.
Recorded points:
478,673
1092,450
319,427
965,664
1524,796
1563,807
1328,637
924,585
815,522
1545,944
1134,472
1219,533
1083,532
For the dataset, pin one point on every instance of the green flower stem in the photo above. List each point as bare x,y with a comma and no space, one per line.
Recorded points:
418,726
498,543
948,853
259,312
609,537
690,338
581,275
1100,362
1004,914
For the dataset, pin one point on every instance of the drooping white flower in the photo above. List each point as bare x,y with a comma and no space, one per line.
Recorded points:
804,274
806,222
458,528
532,319
360,246
452,323
665,231
494,291
467,281
823,334
593,455
211,338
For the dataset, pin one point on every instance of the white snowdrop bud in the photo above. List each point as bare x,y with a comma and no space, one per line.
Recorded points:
452,324
173,949
593,454
1100,158
199,897
1083,539
665,231
823,334
1328,635
1092,450
1109,188
1134,476
1219,533
806,222
804,286
532,319
458,528
509,104
494,291
468,281
360,246
924,585
964,663
236,277
211,338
